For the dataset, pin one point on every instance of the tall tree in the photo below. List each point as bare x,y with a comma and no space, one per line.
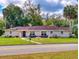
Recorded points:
12,14
71,13
33,12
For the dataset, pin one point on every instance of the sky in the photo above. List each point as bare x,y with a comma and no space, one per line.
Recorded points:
47,6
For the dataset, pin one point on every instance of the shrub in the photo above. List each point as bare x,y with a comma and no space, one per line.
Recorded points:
1,32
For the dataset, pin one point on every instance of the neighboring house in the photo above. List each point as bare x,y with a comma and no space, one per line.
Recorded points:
38,31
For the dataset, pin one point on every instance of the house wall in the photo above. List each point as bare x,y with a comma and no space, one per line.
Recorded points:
13,33
38,33
59,34
27,33
7,33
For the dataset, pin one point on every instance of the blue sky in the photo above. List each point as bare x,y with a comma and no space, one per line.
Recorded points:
47,6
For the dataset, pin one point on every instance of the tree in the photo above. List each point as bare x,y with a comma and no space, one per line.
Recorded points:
75,27
12,14
49,22
2,26
75,30
33,12
59,23
70,12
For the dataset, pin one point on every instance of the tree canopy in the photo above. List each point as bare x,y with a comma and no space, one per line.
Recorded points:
12,14
71,11
33,12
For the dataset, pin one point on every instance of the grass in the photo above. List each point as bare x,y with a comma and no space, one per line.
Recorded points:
19,41
13,41
52,55
56,40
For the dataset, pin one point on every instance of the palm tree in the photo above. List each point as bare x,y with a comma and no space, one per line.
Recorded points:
70,12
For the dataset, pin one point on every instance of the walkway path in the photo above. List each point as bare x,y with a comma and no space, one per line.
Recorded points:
31,41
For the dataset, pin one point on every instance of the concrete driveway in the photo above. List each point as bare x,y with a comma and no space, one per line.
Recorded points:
29,49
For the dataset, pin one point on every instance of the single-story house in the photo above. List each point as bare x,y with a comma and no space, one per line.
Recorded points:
38,31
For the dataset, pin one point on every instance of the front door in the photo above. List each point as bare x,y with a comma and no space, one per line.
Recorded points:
23,34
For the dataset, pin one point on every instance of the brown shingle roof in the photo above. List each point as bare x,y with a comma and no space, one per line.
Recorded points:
42,28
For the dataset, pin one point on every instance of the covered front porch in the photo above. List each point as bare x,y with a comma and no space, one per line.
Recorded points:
33,34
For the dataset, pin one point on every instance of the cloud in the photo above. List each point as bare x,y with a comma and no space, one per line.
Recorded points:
59,12
63,2
54,6
52,1
51,6
17,2
4,3
47,6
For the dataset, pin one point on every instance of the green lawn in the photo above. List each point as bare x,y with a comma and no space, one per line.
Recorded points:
51,55
19,41
13,41
55,40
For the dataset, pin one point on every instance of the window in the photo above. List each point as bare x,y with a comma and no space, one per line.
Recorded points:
61,32
32,33
43,33
51,32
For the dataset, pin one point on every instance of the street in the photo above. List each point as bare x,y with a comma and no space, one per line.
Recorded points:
29,49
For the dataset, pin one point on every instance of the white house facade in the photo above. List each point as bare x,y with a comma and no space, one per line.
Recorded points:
38,31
